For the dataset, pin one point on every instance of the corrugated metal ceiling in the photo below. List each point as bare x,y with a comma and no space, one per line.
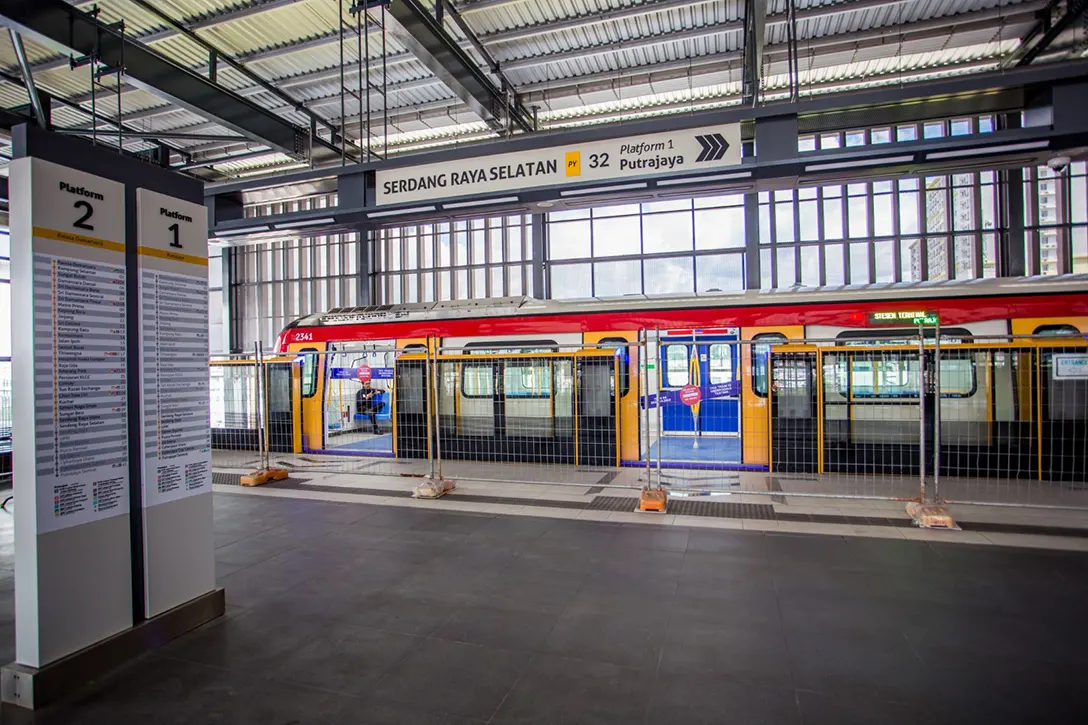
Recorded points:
582,61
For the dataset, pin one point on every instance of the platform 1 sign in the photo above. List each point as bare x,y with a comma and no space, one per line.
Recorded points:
174,386
669,152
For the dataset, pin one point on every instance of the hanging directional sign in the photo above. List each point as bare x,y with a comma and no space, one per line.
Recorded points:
668,152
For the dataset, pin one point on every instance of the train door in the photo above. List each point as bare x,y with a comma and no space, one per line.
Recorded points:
707,361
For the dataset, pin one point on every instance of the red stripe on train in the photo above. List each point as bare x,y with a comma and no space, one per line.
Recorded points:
953,311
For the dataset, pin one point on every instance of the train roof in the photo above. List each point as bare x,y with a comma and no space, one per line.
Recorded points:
498,307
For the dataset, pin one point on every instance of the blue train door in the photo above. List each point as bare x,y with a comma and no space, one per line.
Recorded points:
708,360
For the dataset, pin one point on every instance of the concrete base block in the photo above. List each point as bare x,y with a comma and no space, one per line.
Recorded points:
32,688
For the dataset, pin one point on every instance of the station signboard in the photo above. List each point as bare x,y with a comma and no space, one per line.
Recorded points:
668,152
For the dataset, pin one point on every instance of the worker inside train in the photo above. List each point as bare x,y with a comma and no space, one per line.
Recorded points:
366,403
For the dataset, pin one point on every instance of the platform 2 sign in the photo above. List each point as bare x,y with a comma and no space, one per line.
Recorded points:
71,416
669,152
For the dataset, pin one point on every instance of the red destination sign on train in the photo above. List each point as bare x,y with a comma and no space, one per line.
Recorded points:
691,395
364,373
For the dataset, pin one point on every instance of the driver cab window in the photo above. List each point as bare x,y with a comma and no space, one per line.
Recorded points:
761,354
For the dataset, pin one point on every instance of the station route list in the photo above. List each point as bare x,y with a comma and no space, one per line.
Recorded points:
81,415
174,385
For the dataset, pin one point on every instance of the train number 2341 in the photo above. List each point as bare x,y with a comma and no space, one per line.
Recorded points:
304,337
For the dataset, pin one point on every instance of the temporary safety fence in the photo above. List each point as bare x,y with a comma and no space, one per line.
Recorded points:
904,416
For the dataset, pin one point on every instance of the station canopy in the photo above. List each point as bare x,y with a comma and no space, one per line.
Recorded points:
240,89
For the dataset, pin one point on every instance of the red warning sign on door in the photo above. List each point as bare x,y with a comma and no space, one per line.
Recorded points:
690,395
364,373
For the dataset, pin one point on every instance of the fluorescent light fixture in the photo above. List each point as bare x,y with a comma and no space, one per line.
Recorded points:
305,223
603,189
832,166
1026,146
481,202
701,179
241,230
398,212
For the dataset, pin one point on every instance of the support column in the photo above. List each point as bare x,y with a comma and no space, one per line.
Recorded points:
1012,253
541,279
365,240
224,293
234,296
1010,204
751,240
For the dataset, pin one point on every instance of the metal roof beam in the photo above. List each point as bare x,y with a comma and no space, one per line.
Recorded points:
234,64
28,78
685,67
60,25
426,37
1045,32
248,9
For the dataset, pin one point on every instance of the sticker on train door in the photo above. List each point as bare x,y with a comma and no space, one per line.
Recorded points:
1070,366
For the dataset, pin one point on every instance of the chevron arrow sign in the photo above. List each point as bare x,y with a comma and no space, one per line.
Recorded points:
714,147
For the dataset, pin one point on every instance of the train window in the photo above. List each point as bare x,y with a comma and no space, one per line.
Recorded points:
309,372
677,374
905,336
721,363
958,377
477,381
885,377
620,346
528,379
513,347
761,351
1057,330
896,376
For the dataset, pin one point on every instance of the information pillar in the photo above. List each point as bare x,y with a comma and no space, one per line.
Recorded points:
175,430
70,418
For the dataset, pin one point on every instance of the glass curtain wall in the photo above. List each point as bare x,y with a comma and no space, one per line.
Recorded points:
681,246
460,260
282,281
217,342
904,230
1056,219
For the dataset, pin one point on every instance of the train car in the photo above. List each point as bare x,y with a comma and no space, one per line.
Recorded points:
506,383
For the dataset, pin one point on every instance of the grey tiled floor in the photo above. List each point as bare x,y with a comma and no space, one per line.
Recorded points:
356,614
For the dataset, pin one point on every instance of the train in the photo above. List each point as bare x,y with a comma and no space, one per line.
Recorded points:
514,369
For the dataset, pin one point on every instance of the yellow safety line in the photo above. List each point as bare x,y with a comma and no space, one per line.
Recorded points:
770,416
1039,410
172,256
989,398
393,408
616,377
574,387
73,238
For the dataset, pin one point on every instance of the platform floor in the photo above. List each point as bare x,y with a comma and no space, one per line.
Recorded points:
347,613
713,450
